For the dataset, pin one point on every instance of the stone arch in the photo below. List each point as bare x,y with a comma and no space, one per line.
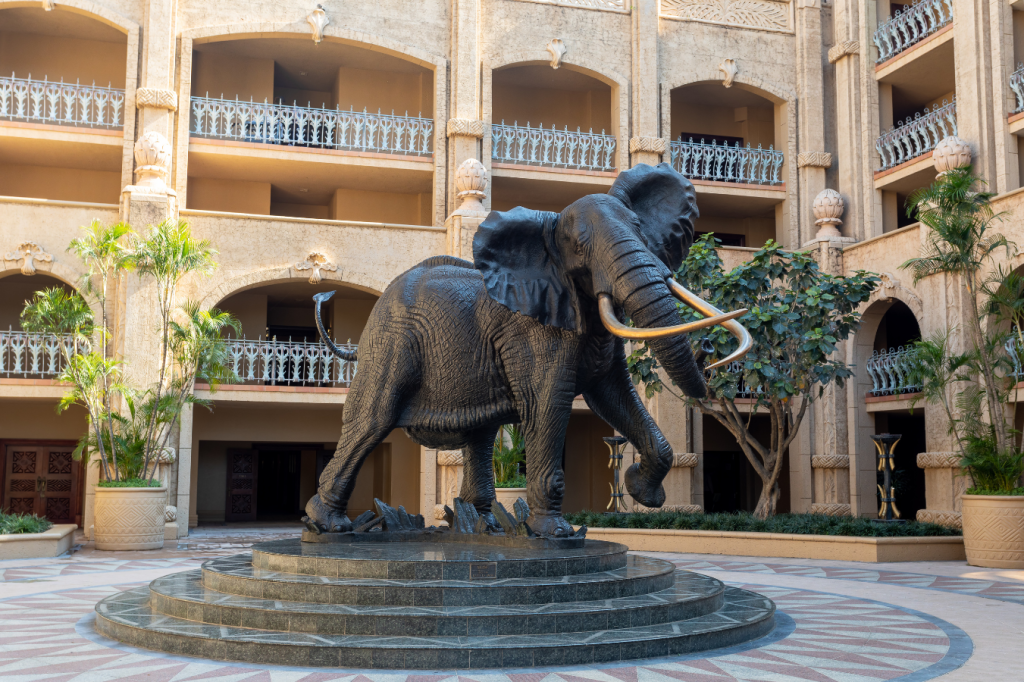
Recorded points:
573,62
86,8
257,278
62,273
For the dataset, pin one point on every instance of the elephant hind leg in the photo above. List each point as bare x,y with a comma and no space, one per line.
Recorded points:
478,472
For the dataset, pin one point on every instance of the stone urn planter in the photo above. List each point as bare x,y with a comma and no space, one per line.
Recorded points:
508,496
130,518
994,530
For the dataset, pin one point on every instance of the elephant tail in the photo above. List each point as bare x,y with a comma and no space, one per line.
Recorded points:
349,355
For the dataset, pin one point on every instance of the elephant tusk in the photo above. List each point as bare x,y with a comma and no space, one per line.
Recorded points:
612,324
704,308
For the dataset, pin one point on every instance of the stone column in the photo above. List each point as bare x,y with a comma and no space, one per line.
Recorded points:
465,129
831,485
646,146
977,106
448,482
156,98
812,159
678,485
944,486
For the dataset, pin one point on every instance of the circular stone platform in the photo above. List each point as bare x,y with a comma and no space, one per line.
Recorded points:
429,605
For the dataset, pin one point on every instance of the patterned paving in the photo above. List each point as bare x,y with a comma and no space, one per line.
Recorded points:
988,589
820,637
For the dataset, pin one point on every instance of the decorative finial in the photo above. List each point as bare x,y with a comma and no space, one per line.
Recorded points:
828,209
951,153
728,67
318,20
29,253
316,262
557,49
471,181
153,159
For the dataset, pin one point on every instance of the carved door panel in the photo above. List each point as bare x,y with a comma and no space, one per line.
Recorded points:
240,504
41,480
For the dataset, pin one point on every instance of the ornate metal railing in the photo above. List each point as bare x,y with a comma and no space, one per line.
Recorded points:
1017,85
34,356
60,103
890,371
742,389
917,135
910,26
701,161
289,363
311,127
539,146
1016,355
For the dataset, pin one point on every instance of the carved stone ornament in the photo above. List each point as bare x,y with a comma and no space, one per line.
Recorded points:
684,460
318,21
828,209
170,514
951,153
156,98
653,145
943,517
938,460
464,127
153,161
814,160
557,49
728,67
830,462
761,14
29,253
316,262
677,508
831,509
471,182
449,458
844,49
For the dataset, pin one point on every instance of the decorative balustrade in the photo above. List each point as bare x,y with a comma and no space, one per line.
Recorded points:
60,103
916,136
311,127
289,363
701,161
539,146
910,26
34,356
890,371
1017,85
1015,352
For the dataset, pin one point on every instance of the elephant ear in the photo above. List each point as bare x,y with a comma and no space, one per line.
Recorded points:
515,253
660,196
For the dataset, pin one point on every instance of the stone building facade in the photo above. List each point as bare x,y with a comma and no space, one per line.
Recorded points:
324,141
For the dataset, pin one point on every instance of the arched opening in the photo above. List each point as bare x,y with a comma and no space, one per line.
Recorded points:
61,68
730,482
38,473
731,135
555,119
289,94
261,450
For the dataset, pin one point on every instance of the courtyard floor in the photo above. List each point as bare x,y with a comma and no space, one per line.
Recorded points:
836,621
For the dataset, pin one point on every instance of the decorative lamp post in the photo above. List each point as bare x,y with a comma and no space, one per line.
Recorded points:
616,444
885,443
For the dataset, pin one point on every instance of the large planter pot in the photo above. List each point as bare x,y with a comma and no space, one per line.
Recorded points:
130,518
508,496
994,530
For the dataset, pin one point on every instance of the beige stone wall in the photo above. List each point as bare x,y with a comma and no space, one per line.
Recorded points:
62,57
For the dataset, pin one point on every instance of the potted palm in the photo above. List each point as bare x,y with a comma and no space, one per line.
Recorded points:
974,383
508,453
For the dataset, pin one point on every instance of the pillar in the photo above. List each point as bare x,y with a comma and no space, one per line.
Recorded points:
944,486
465,129
812,159
646,145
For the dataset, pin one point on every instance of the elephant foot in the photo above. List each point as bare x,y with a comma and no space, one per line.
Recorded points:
322,519
646,492
550,524
492,523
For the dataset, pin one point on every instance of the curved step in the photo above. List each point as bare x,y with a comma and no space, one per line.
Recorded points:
432,560
236,575
127,617
182,595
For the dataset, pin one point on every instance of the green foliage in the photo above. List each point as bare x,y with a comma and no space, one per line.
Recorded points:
798,524
992,491
59,312
797,314
990,468
17,524
130,483
508,453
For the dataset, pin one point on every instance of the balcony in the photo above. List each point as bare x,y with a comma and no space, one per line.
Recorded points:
890,372
296,126
911,139
60,103
551,148
28,355
289,363
909,27
722,163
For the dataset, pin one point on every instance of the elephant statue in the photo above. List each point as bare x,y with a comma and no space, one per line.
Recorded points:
452,349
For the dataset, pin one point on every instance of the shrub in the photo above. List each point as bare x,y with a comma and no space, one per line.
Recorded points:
16,524
130,483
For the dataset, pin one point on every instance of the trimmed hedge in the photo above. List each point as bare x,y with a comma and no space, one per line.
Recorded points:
797,524
17,524
130,483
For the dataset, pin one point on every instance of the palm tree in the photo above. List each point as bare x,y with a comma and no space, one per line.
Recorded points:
961,243
168,253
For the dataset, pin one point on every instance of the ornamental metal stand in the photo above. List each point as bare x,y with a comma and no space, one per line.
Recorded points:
885,444
616,444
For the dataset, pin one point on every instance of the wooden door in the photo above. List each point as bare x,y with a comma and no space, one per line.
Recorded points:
41,479
243,468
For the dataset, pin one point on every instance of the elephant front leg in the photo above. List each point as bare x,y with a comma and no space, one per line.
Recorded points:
544,434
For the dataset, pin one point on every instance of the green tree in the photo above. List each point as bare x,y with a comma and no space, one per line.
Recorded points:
508,453
797,316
